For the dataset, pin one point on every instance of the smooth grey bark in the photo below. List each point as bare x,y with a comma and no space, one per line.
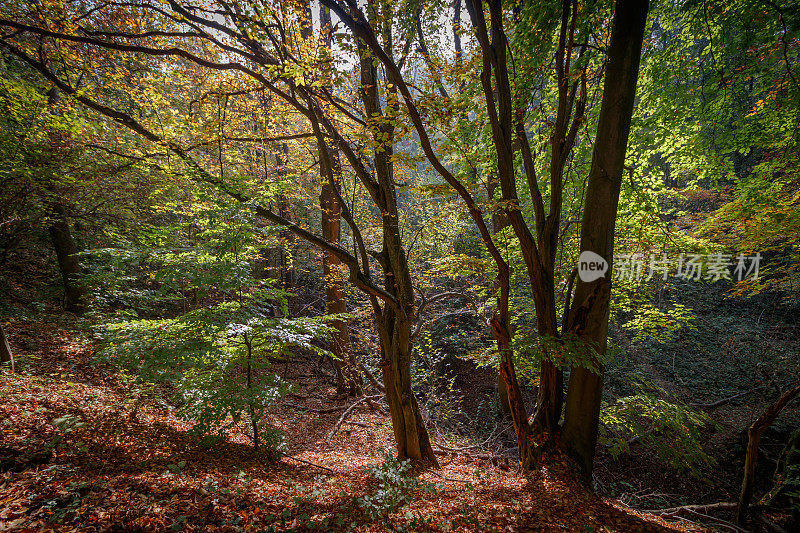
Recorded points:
588,316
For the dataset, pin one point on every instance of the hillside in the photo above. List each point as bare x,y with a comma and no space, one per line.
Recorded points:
121,461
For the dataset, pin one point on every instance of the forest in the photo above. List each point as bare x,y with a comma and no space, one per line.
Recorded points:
411,265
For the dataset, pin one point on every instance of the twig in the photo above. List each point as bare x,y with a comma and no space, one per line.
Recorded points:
672,511
307,462
718,521
700,510
374,382
725,400
348,411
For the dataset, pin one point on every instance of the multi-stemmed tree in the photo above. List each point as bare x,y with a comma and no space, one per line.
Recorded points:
269,47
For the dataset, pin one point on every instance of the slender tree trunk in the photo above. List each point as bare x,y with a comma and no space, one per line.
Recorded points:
6,357
394,325
550,397
68,263
251,407
516,405
410,433
347,375
588,317
287,272
348,378
754,436
499,223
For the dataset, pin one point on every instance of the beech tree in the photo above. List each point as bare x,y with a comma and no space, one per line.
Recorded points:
268,46
348,377
506,115
588,315
276,63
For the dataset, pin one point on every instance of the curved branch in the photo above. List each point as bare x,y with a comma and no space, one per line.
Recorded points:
361,28
357,277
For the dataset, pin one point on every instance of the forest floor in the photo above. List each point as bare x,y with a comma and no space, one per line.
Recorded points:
122,461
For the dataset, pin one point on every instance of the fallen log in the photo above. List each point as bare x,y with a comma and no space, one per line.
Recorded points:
702,508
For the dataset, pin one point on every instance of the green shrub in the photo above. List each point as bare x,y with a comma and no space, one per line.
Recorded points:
394,489
672,429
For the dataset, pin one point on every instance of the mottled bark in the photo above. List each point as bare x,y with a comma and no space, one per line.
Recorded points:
499,223
394,323
348,378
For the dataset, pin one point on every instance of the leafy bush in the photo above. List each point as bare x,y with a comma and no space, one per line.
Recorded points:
222,332
673,429
394,489
432,383
218,358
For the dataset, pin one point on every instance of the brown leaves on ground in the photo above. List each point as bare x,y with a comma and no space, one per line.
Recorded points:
121,462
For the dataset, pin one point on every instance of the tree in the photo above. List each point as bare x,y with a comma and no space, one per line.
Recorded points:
348,376
509,135
272,64
219,349
588,315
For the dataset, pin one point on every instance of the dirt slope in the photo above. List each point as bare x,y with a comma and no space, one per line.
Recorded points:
122,461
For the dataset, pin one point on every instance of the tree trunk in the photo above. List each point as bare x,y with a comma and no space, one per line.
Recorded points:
410,433
68,263
754,436
251,407
508,377
499,223
588,317
550,397
394,324
348,378
286,261
6,357
347,375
